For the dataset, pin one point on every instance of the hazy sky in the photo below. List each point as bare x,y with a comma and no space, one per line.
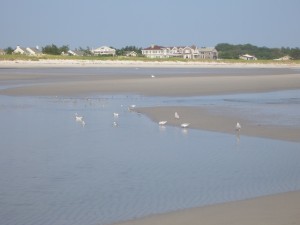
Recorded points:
117,23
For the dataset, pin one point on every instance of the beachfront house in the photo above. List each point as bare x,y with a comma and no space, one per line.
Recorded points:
155,51
2,52
104,50
33,51
20,50
75,53
247,57
189,52
131,54
207,53
284,58
186,52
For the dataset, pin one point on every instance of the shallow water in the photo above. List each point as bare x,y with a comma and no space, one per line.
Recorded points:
56,171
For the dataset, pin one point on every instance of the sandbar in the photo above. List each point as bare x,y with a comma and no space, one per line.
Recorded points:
280,209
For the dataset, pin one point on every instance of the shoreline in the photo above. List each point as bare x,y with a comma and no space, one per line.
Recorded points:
59,63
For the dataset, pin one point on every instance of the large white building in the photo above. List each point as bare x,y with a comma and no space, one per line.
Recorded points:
104,50
186,52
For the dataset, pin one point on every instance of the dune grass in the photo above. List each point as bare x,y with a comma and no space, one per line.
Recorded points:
143,59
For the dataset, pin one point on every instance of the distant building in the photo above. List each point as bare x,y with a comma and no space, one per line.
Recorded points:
131,54
247,57
20,50
284,58
27,51
208,53
155,51
186,52
76,53
34,51
104,50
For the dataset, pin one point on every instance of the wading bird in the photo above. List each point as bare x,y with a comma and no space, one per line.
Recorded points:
185,125
162,122
238,127
78,118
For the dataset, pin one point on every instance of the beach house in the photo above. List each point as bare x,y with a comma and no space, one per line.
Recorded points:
34,51
75,53
207,53
131,54
104,50
186,52
284,58
2,52
156,51
247,57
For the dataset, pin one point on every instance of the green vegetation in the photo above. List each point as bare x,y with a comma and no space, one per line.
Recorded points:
229,51
123,51
9,50
54,50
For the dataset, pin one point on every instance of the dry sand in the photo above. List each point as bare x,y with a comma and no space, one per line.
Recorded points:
44,63
271,210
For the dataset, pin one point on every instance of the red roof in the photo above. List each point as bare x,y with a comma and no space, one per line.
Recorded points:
154,47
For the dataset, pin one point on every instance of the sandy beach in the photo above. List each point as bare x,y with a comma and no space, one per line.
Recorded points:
276,209
46,63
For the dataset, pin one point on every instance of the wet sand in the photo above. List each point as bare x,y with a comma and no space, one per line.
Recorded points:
276,210
281,209
218,120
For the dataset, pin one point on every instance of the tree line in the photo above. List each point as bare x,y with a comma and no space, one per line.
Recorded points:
229,51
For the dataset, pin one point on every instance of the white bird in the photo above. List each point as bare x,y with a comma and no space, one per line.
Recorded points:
238,127
152,76
176,115
185,125
163,122
131,107
116,115
78,118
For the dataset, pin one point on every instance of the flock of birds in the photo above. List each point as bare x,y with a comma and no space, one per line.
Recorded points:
176,115
162,123
186,125
80,119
